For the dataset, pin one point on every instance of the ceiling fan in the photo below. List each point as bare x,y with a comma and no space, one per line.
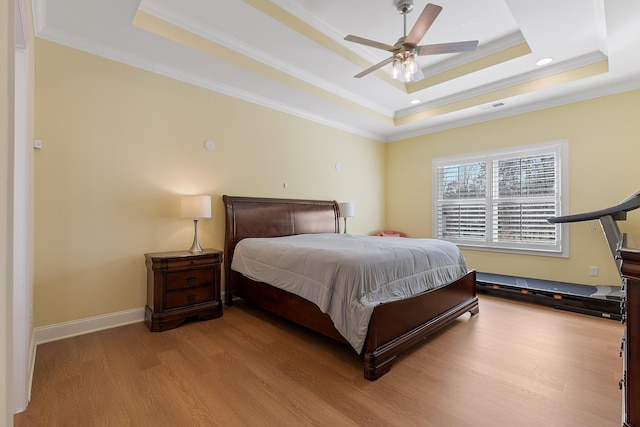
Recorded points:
406,50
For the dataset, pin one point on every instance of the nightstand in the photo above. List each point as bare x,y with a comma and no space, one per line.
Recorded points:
182,285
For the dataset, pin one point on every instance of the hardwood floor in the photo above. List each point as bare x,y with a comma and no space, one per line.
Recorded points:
514,364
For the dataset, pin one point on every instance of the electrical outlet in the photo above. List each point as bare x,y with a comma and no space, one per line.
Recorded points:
593,271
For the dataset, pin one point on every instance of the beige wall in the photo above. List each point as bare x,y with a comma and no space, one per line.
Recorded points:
603,160
120,144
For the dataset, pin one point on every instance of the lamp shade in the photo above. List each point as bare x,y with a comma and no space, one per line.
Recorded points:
195,207
347,209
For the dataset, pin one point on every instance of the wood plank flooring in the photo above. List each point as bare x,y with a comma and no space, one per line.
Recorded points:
514,364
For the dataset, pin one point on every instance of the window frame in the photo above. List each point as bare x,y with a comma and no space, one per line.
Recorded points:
561,150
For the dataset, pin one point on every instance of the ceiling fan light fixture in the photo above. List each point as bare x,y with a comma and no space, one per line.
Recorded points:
408,75
395,68
412,62
405,66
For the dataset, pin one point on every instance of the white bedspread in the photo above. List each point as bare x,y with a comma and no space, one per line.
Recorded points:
347,275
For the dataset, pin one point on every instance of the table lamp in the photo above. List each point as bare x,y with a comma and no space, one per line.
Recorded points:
195,207
346,209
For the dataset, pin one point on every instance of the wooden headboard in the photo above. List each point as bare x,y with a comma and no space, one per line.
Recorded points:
263,217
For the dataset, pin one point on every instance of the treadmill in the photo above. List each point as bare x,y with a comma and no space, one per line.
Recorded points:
608,221
600,301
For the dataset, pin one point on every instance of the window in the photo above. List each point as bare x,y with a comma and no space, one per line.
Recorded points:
500,200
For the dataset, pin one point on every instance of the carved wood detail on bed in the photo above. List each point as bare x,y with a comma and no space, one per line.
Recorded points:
393,327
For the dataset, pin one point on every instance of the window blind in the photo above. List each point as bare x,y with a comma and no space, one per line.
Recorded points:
500,199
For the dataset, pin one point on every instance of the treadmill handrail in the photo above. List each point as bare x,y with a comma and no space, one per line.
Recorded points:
618,212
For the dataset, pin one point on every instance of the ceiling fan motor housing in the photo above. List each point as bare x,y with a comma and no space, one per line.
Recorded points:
403,6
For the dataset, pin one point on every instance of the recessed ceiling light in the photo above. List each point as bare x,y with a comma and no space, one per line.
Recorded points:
415,101
544,61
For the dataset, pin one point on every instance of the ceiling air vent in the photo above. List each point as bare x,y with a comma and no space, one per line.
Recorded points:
490,106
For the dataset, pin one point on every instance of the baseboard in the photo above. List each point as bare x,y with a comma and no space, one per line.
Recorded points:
84,326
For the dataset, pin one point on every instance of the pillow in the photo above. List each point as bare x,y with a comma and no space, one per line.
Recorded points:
390,233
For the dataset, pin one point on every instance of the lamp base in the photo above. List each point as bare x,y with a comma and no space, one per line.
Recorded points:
195,247
345,225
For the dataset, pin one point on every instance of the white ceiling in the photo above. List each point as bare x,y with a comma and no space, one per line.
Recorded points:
290,54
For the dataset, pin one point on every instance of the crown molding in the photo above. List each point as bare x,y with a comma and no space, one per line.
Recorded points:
579,96
569,65
483,50
39,12
196,80
178,19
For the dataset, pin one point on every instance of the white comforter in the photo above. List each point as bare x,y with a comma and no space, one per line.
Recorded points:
347,275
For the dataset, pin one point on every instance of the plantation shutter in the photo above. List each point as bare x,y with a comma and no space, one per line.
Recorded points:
501,200
462,202
524,197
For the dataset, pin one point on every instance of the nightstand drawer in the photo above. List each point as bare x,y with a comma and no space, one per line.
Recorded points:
189,278
189,296
189,262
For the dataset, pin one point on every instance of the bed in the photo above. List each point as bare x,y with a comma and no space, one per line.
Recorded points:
392,326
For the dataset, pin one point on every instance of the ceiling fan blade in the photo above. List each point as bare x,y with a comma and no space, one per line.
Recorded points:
374,67
435,49
371,43
426,18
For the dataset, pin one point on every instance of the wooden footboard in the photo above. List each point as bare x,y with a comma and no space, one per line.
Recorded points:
398,325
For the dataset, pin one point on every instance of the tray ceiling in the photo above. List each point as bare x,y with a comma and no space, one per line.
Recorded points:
290,55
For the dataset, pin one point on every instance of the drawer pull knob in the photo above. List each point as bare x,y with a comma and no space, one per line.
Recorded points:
191,298
191,280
